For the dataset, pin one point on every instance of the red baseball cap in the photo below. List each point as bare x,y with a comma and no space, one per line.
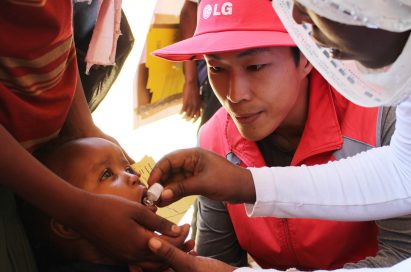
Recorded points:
229,25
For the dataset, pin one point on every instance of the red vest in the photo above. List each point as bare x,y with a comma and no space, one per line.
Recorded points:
334,128
38,72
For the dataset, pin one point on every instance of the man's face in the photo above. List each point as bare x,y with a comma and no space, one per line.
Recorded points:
262,89
99,166
374,48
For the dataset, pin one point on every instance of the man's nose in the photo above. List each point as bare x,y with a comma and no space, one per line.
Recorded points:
238,89
300,14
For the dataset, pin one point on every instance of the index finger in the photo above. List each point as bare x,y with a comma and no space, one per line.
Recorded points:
174,162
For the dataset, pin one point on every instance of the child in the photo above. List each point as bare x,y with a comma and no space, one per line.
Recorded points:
96,166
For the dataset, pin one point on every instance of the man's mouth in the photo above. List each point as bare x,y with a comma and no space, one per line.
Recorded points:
247,118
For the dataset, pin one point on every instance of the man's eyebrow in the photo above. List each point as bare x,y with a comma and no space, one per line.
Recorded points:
252,52
242,54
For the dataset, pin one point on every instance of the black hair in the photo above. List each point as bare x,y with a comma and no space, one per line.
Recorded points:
296,54
48,148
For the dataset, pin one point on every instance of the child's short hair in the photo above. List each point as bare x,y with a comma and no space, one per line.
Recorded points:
44,151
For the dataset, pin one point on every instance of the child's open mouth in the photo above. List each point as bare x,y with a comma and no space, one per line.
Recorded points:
153,207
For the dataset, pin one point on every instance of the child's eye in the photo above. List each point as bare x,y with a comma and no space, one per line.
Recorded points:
256,67
215,69
130,170
107,173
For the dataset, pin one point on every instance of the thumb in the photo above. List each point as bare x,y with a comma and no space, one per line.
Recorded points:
177,190
176,258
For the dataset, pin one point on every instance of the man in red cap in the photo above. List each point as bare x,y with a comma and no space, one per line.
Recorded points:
278,111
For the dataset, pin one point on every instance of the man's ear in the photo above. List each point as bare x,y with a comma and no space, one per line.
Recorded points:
63,231
305,65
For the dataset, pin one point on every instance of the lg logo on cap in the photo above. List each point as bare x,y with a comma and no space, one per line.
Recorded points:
225,9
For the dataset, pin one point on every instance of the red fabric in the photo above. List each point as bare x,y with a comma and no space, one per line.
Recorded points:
302,243
38,73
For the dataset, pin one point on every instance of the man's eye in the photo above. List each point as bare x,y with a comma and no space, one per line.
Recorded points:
256,67
130,170
107,173
215,69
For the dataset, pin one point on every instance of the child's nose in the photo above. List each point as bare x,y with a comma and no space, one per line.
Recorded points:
132,179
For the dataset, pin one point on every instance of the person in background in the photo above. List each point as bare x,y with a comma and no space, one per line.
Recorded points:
41,98
198,96
97,81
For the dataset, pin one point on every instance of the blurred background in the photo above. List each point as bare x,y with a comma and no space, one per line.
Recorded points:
163,131
141,125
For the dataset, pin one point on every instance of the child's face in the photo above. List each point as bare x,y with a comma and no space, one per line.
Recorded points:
98,166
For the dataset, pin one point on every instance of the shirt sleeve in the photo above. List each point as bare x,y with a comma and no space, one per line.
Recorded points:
394,243
216,237
371,185
394,234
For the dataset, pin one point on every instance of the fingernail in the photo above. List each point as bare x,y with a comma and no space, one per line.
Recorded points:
155,243
167,194
175,228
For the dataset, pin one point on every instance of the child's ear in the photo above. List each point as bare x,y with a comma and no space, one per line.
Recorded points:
63,231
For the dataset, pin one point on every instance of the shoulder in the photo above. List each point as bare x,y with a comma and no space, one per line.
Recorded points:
213,131
216,123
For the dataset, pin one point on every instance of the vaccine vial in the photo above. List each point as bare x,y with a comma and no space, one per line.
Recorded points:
153,194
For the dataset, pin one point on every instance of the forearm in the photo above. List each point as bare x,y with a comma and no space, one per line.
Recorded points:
337,191
372,185
190,72
188,21
28,178
79,122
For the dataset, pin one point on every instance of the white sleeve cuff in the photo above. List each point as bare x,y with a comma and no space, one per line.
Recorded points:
264,189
